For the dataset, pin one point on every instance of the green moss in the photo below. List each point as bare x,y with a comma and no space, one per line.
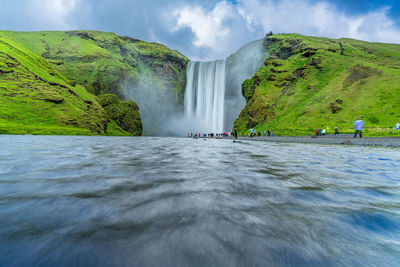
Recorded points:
104,62
124,114
36,99
306,84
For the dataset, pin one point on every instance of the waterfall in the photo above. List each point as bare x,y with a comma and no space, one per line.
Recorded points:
204,96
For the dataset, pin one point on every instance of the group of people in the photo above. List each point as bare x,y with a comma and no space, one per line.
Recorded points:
319,132
253,132
212,135
358,126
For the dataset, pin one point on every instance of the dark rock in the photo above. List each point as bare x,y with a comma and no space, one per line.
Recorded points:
271,77
335,106
83,35
129,39
316,63
299,72
54,99
308,54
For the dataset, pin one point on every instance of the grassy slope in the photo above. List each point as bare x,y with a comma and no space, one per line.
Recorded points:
105,62
306,84
36,99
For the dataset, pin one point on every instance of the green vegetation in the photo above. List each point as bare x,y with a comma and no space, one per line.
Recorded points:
124,114
306,84
37,98
105,62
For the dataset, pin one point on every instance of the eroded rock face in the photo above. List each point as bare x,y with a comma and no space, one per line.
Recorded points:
240,66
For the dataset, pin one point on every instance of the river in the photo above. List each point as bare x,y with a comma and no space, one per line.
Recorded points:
148,201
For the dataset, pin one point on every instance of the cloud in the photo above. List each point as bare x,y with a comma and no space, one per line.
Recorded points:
219,28
207,26
318,18
55,12
218,31
204,29
38,14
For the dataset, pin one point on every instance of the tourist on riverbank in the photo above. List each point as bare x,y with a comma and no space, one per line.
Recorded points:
269,132
358,126
235,133
336,131
398,126
265,132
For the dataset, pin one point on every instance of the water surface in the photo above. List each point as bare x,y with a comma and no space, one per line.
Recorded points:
116,201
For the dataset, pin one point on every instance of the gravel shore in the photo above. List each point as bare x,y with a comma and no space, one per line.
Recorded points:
343,139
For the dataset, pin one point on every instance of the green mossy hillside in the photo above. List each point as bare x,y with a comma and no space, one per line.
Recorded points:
36,99
125,114
105,62
306,83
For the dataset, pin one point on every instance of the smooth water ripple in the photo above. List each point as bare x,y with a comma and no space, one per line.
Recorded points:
116,201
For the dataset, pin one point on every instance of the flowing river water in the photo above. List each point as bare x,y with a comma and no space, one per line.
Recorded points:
117,201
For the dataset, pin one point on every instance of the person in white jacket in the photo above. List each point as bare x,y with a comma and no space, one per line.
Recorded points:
358,125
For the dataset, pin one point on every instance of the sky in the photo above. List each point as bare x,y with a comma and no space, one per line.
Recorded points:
208,29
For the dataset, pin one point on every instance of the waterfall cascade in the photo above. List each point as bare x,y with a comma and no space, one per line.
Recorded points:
205,95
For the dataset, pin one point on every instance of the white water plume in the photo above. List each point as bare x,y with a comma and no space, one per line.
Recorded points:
204,96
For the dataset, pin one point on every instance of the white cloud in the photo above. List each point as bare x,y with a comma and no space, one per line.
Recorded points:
200,29
207,25
218,28
55,12
322,19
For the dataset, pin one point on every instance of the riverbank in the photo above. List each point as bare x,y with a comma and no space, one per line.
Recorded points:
343,139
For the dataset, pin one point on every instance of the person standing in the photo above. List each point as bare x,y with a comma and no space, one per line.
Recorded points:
235,133
358,126
398,126
336,130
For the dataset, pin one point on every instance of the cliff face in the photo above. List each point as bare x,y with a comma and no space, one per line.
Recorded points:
305,83
150,74
240,66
